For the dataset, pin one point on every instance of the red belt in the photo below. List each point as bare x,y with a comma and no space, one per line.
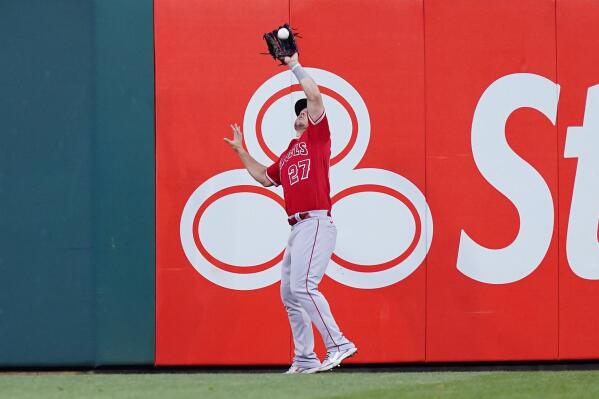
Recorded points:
292,220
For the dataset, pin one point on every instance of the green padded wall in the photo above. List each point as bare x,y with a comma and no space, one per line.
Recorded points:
76,183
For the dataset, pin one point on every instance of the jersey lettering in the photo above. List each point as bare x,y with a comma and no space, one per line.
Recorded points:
298,149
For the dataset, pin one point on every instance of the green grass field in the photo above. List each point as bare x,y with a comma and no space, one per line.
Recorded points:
363,385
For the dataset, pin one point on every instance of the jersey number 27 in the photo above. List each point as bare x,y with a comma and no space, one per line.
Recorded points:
299,171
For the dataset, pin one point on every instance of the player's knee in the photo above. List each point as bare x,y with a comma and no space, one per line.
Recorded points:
300,290
286,295
291,309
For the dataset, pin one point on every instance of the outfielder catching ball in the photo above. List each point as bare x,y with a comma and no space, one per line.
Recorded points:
303,171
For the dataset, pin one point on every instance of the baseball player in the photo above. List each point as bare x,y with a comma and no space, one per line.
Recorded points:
303,171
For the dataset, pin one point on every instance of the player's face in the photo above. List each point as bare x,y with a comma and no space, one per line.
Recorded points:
301,123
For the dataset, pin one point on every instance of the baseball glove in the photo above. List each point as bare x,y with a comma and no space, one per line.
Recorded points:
281,48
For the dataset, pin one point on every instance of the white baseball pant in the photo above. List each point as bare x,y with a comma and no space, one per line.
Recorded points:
307,255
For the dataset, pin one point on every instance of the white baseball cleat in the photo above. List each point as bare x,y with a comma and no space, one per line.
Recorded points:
301,370
334,359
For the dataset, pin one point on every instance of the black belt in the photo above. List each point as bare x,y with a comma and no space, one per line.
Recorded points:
292,220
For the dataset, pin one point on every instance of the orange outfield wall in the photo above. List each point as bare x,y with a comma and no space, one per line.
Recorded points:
402,81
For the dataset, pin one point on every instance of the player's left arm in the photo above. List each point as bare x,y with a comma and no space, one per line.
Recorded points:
315,104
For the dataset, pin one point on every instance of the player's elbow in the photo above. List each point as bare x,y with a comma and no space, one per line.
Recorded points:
265,182
263,179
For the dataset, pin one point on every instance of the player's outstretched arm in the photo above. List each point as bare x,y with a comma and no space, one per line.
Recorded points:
315,105
255,168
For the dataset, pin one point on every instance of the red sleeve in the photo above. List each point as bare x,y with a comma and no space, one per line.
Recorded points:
320,127
273,174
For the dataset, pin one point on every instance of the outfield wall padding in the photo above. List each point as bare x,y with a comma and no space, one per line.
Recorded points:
76,183
464,178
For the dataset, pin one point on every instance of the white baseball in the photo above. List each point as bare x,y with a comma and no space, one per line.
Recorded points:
283,33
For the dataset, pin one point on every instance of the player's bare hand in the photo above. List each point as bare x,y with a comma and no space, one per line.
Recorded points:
237,142
291,61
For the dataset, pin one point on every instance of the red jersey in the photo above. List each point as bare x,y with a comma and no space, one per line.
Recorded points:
303,169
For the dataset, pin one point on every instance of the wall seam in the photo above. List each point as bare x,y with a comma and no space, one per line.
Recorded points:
291,342
558,186
425,183
155,188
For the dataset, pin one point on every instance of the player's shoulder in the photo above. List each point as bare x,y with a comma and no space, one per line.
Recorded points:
319,128
317,121
292,142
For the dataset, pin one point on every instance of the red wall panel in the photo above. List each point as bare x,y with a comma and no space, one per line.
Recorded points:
203,80
382,56
577,33
415,93
202,86
469,45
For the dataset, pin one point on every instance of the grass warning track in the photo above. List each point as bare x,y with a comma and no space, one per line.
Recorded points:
362,385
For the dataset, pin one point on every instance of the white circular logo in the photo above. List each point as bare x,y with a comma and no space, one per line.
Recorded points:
234,231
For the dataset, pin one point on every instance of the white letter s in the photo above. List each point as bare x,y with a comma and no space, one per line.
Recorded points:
513,177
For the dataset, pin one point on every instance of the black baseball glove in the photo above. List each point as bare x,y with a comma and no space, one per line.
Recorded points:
281,48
